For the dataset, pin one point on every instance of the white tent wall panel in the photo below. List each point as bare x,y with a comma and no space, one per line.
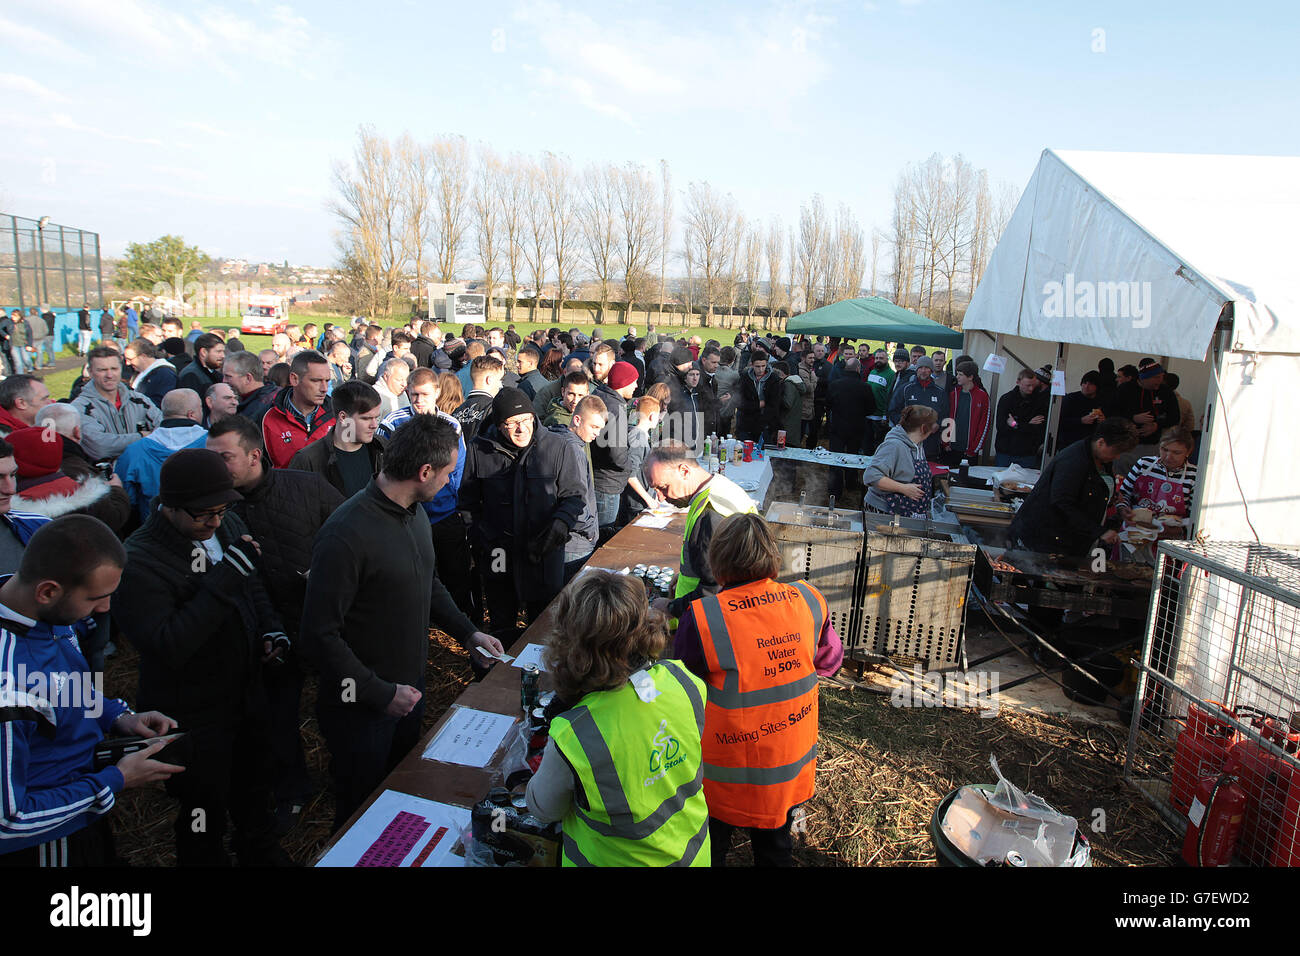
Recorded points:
1262,414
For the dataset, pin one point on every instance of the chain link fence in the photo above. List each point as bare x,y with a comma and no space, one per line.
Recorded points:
45,264
1217,711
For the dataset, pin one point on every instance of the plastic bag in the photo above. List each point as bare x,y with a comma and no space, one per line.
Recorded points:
1053,833
987,826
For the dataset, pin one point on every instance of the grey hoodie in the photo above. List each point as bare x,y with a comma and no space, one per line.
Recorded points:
895,458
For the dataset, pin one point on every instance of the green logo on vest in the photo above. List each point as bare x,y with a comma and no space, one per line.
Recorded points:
665,753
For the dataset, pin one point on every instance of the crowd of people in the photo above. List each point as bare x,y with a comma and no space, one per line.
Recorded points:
317,506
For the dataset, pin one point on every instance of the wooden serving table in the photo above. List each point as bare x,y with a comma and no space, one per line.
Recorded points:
499,691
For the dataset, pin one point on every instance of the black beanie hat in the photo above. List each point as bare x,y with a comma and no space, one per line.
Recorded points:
195,478
509,403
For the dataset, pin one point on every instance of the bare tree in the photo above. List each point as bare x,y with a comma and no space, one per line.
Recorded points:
752,257
598,217
792,286
418,190
373,239
640,229
450,160
876,239
850,256
710,237
1008,197
561,208
511,192
775,252
666,228
812,237
488,219
537,246
903,239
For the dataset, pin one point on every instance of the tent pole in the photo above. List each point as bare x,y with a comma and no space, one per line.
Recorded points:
1054,408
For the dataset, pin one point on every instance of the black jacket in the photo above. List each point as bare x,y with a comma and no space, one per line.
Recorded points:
1065,512
372,594
422,350
254,405
1131,399
473,413
609,462
513,495
197,377
284,511
197,625
1073,407
848,403
692,413
751,421
1025,439
321,457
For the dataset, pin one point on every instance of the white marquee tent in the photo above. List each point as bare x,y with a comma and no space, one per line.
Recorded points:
1190,259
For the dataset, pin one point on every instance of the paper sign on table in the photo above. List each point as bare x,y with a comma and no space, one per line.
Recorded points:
532,654
401,830
653,521
1058,382
469,737
995,363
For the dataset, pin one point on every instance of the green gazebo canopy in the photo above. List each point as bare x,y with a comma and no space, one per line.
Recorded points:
876,319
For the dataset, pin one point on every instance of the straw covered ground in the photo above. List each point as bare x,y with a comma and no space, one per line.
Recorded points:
881,771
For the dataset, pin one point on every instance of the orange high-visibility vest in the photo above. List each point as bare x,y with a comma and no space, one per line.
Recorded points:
760,720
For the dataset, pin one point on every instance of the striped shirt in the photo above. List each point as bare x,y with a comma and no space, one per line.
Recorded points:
1151,467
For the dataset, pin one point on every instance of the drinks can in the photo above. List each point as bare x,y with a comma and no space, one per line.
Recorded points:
780,438
749,450
528,687
713,464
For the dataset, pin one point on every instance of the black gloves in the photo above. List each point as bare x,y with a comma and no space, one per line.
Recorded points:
242,557
547,541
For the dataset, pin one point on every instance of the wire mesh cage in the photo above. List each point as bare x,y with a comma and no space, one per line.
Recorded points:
1218,698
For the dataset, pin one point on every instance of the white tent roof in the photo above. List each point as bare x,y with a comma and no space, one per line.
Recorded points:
1138,252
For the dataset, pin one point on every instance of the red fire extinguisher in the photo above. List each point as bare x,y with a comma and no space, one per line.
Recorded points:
1214,821
1200,752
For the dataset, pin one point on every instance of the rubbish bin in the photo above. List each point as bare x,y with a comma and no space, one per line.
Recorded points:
945,854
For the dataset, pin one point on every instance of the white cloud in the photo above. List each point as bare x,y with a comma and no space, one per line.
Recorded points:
579,88
762,61
217,35
64,121
205,129
25,85
19,40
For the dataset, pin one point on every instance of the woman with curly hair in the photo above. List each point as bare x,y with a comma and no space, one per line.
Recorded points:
622,768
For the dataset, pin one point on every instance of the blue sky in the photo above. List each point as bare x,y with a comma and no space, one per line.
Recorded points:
220,120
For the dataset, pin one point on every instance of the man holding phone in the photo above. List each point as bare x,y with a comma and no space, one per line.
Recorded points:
53,805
